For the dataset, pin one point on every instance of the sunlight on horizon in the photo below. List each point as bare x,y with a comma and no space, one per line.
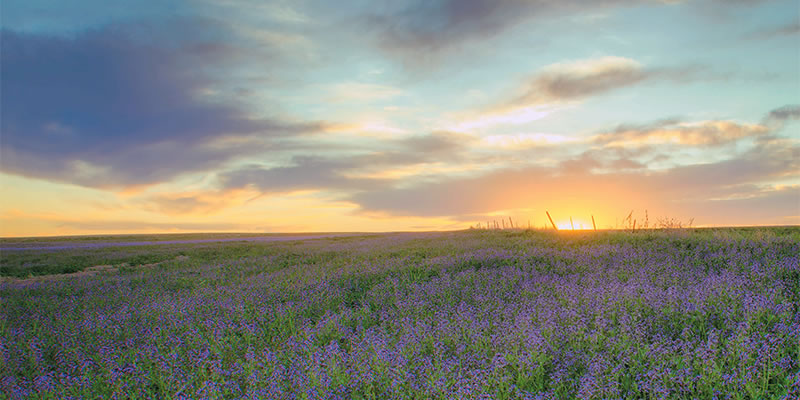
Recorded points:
577,224
441,116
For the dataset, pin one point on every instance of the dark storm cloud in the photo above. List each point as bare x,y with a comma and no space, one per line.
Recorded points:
101,109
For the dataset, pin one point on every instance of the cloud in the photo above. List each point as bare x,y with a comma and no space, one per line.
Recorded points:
127,226
429,27
578,79
774,205
613,171
379,178
572,182
489,118
101,109
770,160
361,92
186,204
276,11
421,30
605,160
306,172
436,25
575,80
789,29
206,202
702,133
436,144
565,84
527,140
778,117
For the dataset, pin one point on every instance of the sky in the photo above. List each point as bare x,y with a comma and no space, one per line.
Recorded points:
312,115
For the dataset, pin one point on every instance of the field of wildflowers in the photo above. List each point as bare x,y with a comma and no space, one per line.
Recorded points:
475,314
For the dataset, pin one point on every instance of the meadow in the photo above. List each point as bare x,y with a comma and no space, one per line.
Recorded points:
514,314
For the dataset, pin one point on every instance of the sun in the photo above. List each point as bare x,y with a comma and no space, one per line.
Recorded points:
575,224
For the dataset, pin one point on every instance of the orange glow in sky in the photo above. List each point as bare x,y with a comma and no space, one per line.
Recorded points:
281,117
577,224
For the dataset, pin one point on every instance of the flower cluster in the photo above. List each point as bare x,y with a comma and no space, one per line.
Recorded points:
530,315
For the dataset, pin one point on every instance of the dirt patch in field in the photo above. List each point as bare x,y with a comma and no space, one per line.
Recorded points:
46,278
90,271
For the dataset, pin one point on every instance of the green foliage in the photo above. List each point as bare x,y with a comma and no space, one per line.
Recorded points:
523,310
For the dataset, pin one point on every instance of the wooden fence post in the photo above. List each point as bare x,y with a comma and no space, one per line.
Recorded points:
551,220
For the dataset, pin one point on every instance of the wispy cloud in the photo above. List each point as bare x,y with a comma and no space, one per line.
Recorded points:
140,226
778,117
575,80
435,26
303,173
361,92
349,172
564,84
207,110
614,165
580,188
206,202
789,29
526,140
699,133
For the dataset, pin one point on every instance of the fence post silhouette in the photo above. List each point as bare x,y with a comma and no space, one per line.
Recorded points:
551,220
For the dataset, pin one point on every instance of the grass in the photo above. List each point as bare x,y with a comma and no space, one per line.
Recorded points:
31,263
509,314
